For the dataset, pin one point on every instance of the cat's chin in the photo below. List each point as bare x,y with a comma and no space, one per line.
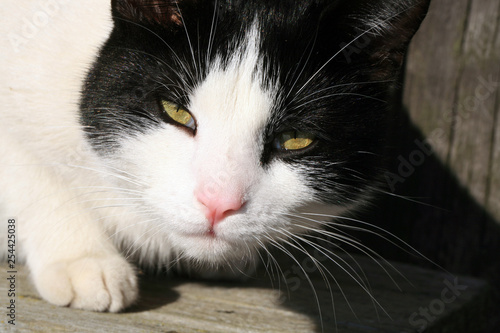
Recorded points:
211,248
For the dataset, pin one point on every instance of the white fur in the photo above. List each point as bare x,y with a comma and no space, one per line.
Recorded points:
73,208
47,47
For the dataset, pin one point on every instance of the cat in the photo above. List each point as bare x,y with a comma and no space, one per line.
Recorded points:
187,133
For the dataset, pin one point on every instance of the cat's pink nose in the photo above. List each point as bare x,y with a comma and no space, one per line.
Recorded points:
218,206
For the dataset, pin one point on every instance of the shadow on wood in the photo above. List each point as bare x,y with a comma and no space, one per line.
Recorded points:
426,206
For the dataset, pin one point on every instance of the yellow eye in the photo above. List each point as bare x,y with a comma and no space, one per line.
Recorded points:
178,114
294,140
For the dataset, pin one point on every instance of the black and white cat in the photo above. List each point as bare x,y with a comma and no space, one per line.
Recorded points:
197,131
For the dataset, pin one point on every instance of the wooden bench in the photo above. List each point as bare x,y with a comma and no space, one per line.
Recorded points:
434,299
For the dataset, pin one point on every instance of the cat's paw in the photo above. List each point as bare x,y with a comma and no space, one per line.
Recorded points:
93,283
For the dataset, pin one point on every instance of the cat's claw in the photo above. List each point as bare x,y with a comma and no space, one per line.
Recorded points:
92,283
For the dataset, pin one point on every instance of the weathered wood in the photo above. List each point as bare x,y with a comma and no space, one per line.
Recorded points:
452,98
493,202
452,92
457,49
447,204
177,305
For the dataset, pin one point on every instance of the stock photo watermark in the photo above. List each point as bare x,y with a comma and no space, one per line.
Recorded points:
31,25
295,275
356,46
11,272
484,90
426,315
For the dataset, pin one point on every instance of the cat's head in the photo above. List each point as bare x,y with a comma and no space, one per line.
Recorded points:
227,117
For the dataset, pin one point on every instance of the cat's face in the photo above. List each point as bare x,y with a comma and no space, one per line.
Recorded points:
228,118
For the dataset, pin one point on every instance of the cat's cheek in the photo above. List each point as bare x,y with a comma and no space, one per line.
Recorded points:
163,161
279,191
290,187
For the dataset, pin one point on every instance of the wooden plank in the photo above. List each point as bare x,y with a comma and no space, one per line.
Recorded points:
478,87
431,71
179,305
453,100
452,92
493,191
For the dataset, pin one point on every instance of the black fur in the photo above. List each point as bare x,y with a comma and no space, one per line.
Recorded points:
336,63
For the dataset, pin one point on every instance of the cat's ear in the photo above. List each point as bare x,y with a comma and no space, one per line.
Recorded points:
379,30
165,13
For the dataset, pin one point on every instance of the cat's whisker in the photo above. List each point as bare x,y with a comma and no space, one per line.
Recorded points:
280,247
76,200
161,61
270,263
211,38
348,240
235,268
200,75
297,77
364,279
406,198
373,28
176,87
61,223
175,259
317,222
111,230
123,175
197,73
322,248
132,121
85,167
133,225
270,256
122,201
322,268
250,85
126,252
289,238
99,189
110,189
340,233
176,57
381,235
333,95
321,91
266,264
180,91
145,212
367,251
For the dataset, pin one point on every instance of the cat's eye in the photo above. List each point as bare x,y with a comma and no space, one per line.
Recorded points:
293,140
178,114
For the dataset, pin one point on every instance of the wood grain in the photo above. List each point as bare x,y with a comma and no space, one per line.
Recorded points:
179,305
452,87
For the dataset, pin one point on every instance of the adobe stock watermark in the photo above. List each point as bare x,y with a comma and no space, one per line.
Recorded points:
295,275
31,25
355,46
485,89
407,165
230,172
426,315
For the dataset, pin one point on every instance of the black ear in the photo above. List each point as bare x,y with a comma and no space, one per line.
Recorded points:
151,12
376,30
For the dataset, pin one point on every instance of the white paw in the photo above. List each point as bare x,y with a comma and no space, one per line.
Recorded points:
106,283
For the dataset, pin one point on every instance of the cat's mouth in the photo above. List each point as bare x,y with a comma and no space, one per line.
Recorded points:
210,234
211,247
